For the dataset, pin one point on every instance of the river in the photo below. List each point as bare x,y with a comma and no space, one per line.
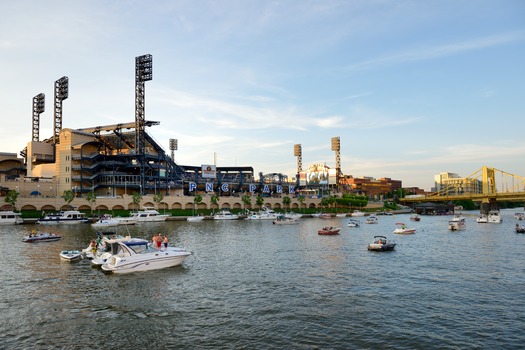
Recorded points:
254,285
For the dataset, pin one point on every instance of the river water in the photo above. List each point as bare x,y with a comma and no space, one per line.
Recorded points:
254,285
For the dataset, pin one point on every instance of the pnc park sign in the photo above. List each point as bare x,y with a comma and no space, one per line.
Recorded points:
192,186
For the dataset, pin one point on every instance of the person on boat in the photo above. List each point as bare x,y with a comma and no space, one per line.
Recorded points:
93,245
166,242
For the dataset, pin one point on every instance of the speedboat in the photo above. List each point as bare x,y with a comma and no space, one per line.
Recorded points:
122,220
106,221
482,219
127,260
9,217
105,239
353,223
520,229
195,218
519,216
329,230
71,255
285,220
325,216
415,217
110,249
402,229
358,213
457,223
381,244
264,214
41,237
64,217
341,215
494,217
225,214
372,220
149,215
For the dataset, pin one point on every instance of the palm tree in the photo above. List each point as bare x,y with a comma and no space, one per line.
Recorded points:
92,199
214,199
301,199
11,198
259,201
136,198
247,200
157,198
286,201
196,201
68,196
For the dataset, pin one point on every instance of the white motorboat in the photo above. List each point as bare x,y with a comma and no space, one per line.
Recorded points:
494,217
128,260
264,214
41,237
341,215
381,244
125,220
9,217
64,217
354,223
149,215
70,255
225,214
195,218
402,229
106,220
482,219
109,249
285,220
457,223
519,216
372,220
358,213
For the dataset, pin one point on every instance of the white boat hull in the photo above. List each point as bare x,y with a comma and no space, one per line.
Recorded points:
144,262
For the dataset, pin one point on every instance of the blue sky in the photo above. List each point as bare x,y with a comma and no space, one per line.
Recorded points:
412,88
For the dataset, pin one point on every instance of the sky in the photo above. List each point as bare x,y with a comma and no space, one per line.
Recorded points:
412,88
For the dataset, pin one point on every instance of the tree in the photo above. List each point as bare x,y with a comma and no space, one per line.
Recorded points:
301,199
247,200
286,201
92,199
196,201
259,201
214,199
11,198
68,196
157,198
325,201
136,199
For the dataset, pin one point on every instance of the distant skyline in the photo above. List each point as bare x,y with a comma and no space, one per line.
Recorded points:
412,88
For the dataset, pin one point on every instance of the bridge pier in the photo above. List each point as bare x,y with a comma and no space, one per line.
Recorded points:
485,207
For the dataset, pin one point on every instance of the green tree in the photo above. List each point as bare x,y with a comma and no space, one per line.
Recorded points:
68,196
157,198
215,199
325,201
259,201
247,200
92,199
136,199
301,200
286,202
196,201
11,198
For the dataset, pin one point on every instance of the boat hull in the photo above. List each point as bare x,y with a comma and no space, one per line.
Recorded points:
144,262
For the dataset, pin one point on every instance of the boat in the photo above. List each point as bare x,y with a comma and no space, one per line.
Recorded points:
105,239
329,230
109,249
122,220
354,223
264,214
70,255
64,217
457,223
402,229
381,244
195,218
325,216
106,220
415,217
149,215
358,213
285,220
9,217
293,215
519,216
520,229
225,214
494,217
341,215
371,220
41,237
127,260
482,219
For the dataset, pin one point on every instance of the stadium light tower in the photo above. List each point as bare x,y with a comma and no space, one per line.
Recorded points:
173,148
39,106
143,73
336,147
297,151
61,93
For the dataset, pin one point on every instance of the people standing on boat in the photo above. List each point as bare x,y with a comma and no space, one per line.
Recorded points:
159,241
93,245
166,242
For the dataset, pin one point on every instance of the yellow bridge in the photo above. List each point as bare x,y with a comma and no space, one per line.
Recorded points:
487,185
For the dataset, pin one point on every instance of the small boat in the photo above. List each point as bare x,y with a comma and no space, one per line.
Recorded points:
402,229
341,215
106,221
41,237
325,216
264,214
149,215
64,217
520,229
372,220
122,220
381,244
195,218
354,223
494,217
358,213
225,215
519,216
127,260
457,223
482,219
9,217
71,255
285,220
329,230
415,217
